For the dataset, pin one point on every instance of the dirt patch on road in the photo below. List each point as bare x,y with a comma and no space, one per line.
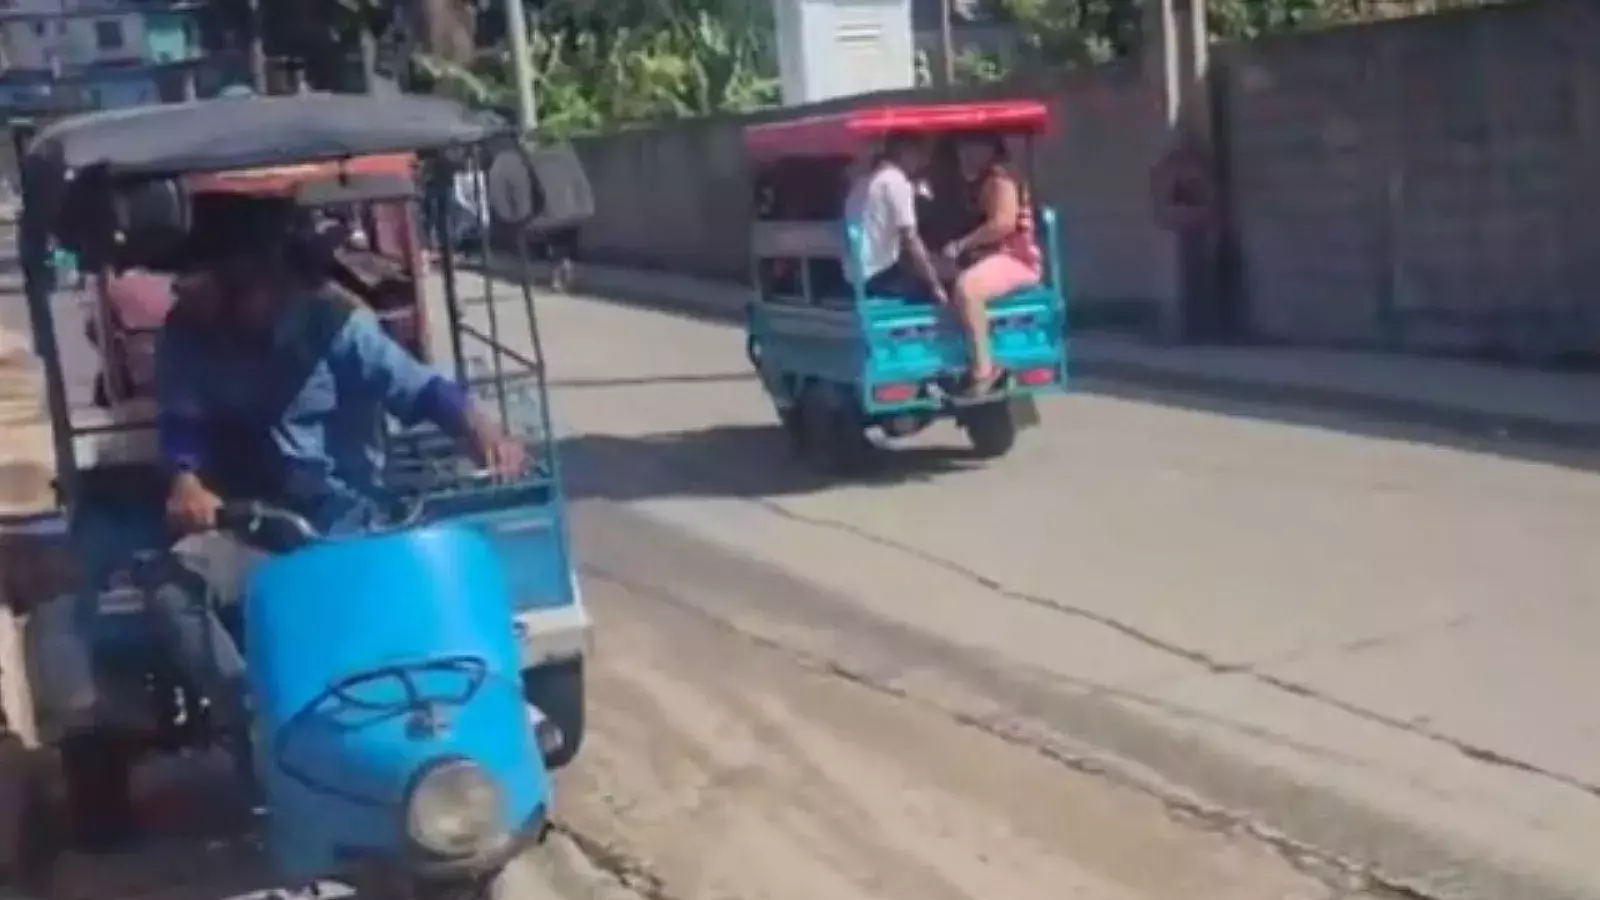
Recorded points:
728,770
24,486
25,452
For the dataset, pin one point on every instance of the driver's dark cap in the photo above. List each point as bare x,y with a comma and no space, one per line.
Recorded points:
253,228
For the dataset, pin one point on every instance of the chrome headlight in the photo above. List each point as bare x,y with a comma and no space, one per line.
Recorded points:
453,810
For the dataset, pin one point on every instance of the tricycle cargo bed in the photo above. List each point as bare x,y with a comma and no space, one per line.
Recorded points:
893,349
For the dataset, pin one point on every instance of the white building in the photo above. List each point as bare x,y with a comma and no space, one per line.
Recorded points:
45,35
838,48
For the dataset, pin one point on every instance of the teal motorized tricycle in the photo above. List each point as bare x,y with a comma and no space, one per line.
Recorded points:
409,682
849,369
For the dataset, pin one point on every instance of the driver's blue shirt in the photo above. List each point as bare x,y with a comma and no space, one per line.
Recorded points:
295,418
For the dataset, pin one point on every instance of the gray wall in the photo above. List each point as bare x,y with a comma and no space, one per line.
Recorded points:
677,197
1428,184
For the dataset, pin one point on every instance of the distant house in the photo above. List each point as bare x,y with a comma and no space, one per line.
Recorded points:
97,53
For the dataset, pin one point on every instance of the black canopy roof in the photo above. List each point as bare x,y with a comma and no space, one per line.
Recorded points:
243,132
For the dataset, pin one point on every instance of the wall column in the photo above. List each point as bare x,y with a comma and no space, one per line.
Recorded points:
1177,63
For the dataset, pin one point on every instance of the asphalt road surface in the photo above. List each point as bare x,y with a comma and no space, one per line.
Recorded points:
732,759
1158,652
726,765
1360,644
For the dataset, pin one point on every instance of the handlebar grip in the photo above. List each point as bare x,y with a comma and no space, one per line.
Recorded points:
241,517
252,518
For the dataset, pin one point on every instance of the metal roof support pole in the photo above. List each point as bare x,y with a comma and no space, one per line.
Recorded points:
521,66
947,46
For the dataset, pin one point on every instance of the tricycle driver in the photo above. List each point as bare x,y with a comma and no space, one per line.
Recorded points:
272,387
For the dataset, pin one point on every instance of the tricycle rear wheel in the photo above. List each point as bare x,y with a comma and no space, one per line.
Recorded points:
557,690
793,428
991,428
833,435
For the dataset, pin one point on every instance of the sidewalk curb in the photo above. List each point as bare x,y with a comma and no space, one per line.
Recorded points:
721,302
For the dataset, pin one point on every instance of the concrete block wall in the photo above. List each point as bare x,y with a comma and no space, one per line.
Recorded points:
1095,169
674,198
1425,184
677,197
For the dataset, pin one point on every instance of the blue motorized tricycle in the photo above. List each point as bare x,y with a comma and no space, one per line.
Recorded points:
849,370
410,685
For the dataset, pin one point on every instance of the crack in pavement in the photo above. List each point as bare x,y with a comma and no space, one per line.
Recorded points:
1210,664
1344,877
630,873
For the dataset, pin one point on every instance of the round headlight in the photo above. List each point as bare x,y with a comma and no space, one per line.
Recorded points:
454,810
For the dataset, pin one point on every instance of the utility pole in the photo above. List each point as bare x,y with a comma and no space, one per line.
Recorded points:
521,66
369,60
258,49
947,44
1176,46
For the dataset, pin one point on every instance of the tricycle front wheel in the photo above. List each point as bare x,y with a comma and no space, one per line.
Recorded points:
32,831
557,690
96,768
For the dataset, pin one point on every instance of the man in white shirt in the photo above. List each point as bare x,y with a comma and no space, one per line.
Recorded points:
894,260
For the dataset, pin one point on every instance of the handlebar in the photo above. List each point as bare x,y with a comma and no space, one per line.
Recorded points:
253,518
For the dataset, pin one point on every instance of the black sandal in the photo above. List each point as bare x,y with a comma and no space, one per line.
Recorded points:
978,386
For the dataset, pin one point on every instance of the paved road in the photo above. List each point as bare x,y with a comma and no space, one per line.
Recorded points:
1377,647
735,758
1156,653
724,765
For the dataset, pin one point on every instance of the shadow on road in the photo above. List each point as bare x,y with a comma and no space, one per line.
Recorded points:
1572,447
635,381
728,461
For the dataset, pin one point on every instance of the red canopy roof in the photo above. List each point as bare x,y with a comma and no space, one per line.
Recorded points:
843,133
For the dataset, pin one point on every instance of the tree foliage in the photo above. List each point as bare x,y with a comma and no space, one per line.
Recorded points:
609,63
1075,32
599,63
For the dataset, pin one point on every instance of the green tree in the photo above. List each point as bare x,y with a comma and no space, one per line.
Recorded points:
1075,32
601,65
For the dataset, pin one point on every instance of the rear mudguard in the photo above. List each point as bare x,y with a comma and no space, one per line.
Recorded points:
370,659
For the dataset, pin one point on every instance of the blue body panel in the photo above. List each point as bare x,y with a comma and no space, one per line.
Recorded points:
530,551
874,342
343,608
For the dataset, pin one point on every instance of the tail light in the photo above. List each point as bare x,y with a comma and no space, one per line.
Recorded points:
1036,377
894,393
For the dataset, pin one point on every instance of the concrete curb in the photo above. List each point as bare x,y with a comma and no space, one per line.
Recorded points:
725,302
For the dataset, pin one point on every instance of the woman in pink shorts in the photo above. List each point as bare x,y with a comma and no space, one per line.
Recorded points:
997,257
